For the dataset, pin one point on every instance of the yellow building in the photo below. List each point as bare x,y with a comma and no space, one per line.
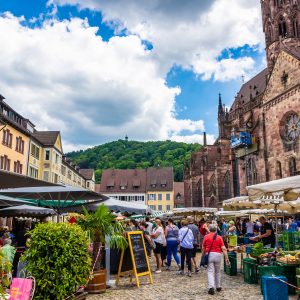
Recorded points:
37,154
160,188
15,134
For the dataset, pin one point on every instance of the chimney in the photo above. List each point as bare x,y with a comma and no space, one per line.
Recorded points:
204,139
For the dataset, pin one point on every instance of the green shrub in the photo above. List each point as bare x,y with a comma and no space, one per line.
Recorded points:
59,260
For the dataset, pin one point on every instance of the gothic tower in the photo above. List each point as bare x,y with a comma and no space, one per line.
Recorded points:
281,19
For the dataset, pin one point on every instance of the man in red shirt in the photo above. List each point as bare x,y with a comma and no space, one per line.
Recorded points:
214,245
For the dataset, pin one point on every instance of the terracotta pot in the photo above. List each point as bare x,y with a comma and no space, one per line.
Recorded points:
97,285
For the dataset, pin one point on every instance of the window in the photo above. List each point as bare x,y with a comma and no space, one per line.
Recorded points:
159,207
88,184
159,197
227,188
63,170
168,207
19,145
18,167
47,155
55,178
282,29
152,197
168,197
295,27
251,171
46,175
153,207
33,172
278,170
292,166
7,138
35,151
4,163
57,160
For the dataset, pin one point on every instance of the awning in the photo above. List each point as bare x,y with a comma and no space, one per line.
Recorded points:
280,187
114,205
13,180
26,211
53,196
6,201
194,211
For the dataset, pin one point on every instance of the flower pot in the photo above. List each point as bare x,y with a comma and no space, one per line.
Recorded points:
97,285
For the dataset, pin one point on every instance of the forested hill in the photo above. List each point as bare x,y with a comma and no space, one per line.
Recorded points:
123,154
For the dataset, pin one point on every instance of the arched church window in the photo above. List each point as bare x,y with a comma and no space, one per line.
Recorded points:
227,187
293,166
278,170
282,29
213,186
251,171
295,27
200,198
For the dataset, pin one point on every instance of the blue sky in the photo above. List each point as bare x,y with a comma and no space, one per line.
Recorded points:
150,71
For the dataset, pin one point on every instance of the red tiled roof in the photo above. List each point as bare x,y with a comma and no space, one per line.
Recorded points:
124,181
46,138
87,174
255,87
160,179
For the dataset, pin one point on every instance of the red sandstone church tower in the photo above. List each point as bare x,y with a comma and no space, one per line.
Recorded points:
281,27
265,111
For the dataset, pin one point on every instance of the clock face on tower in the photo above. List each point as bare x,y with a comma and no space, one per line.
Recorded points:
292,127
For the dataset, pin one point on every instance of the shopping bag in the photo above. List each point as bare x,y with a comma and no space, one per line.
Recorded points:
20,289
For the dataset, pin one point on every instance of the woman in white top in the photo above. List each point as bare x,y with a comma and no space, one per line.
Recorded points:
158,237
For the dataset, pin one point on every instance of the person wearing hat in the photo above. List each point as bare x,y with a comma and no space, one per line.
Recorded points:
232,228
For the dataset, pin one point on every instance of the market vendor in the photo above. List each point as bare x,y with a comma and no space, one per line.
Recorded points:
267,235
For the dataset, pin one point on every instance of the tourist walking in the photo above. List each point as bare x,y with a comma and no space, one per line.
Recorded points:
213,245
158,237
147,238
196,242
186,239
171,233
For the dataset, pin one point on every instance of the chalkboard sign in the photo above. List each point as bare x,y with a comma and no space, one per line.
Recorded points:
134,258
126,261
139,253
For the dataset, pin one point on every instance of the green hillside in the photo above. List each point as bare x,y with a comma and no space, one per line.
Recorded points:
123,154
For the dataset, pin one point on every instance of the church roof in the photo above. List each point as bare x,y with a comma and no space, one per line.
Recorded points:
255,87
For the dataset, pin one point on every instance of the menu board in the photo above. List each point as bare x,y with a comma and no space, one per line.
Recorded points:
134,259
139,253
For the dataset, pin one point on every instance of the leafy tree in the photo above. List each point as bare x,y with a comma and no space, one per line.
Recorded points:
132,154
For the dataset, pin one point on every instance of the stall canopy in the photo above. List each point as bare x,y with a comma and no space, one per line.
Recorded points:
238,202
271,202
26,211
114,205
194,211
288,188
6,201
13,180
54,197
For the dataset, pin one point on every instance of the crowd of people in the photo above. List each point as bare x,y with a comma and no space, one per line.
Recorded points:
181,240
13,242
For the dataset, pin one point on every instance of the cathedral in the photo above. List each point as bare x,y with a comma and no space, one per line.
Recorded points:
259,135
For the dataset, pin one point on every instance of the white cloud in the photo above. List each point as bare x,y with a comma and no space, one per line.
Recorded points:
194,138
64,77
190,33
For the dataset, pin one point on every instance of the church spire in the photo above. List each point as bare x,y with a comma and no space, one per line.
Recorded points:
220,107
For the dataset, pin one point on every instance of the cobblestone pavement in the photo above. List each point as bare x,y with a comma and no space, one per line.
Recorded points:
168,285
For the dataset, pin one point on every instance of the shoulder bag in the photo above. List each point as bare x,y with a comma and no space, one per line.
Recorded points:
204,258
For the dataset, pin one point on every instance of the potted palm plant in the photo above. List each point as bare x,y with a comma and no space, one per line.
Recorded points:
103,229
